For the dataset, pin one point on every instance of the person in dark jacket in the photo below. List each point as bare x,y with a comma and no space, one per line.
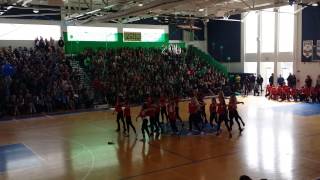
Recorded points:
308,82
271,79
260,82
280,80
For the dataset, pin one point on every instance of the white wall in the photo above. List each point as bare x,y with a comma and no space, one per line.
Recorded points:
25,43
199,44
235,67
302,69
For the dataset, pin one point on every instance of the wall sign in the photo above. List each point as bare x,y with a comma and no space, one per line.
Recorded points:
307,48
132,36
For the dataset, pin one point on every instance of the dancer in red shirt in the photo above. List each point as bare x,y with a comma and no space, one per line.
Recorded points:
172,116
152,115
119,111
163,108
213,111
176,100
193,110
233,112
144,126
127,115
222,114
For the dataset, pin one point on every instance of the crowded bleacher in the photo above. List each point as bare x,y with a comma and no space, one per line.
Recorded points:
41,79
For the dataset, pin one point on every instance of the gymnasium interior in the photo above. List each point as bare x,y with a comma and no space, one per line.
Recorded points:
159,89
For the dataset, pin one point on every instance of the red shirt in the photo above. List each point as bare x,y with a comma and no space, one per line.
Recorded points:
192,108
127,112
294,91
151,112
171,112
176,100
213,108
306,91
118,108
162,101
142,114
157,108
221,108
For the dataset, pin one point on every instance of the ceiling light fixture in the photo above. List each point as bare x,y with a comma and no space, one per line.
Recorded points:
140,4
201,10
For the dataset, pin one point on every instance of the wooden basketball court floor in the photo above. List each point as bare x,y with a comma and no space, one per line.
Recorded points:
280,141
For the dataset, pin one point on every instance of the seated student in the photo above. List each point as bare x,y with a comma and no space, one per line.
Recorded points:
268,90
313,94
294,93
287,92
305,94
274,93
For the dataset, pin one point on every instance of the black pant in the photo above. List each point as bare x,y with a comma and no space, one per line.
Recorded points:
157,118
260,85
173,126
177,113
153,124
129,124
193,120
164,112
213,116
234,115
144,128
223,118
120,117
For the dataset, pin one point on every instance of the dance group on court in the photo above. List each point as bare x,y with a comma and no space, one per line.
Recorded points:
304,94
168,109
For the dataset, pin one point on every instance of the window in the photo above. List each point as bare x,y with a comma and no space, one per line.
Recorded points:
251,32
250,67
28,31
286,28
267,31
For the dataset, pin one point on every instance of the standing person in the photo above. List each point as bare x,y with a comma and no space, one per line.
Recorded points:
252,80
127,115
290,80
172,116
156,105
318,82
176,100
222,114
294,81
233,112
144,126
203,114
280,80
213,111
260,82
193,110
152,116
119,111
163,109
271,80
308,82
246,85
